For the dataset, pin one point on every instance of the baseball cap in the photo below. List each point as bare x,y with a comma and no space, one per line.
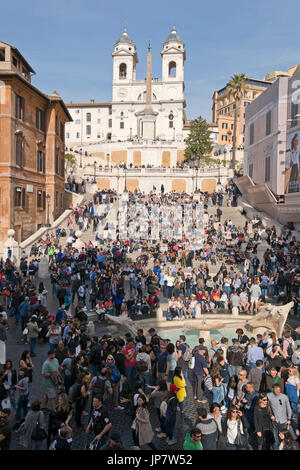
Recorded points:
174,388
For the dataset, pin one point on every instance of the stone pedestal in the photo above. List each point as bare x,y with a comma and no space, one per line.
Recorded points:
205,334
159,314
43,272
78,244
12,244
198,310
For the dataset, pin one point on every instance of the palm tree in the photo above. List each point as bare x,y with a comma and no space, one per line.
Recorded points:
236,87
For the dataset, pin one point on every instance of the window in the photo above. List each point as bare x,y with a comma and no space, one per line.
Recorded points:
294,112
15,62
2,54
44,200
268,123
77,111
20,197
172,69
20,107
68,135
39,200
40,119
56,125
78,121
232,126
110,123
122,71
77,135
62,167
246,103
61,199
171,124
110,110
251,134
88,117
88,130
56,164
224,125
41,161
267,169
251,170
19,152
56,199
224,138
121,125
62,131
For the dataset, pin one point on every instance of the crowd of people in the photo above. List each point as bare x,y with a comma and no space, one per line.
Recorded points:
244,390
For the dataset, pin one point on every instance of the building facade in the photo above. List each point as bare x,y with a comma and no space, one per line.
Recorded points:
223,109
32,149
271,180
120,119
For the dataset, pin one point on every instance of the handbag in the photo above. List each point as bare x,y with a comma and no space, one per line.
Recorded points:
38,433
133,426
241,438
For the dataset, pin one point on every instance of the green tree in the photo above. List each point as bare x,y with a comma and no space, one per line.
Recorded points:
199,143
236,87
70,159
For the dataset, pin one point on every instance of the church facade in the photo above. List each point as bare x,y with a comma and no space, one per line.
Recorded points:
122,120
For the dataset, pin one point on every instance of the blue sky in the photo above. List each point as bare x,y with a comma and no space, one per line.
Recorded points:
69,42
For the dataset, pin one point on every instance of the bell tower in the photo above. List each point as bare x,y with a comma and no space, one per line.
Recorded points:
124,61
173,57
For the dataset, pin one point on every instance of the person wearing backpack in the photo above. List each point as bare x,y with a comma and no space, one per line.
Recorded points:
200,372
288,345
77,396
184,356
115,378
101,385
69,367
143,366
35,420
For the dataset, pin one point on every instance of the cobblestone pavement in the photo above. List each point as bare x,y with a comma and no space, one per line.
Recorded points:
120,418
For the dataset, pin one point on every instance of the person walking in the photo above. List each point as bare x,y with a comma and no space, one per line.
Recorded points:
143,429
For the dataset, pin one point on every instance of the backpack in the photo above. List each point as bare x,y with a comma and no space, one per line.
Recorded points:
290,349
208,383
74,392
98,387
163,408
115,376
296,358
38,433
188,354
141,366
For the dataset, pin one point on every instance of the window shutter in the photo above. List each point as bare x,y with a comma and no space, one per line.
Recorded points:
23,198
44,200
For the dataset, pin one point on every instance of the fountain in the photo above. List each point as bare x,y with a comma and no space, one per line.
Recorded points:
124,323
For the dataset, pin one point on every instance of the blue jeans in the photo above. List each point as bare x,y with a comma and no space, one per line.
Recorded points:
235,447
22,407
181,405
130,375
144,378
185,374
33,342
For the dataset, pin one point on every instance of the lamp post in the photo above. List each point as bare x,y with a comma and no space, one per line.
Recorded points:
130,133
174,134
95,166
80,158
125,188
48,210
197,168
219,169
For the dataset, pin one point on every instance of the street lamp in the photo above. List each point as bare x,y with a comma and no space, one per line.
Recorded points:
48,212
131,133
174,134
80,158
219,169
196,168
95,165
125,189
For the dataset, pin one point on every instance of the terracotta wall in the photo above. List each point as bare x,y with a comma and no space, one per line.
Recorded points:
208,185
179,186
132,184
118,156
137,158
166,158
180,156
103,183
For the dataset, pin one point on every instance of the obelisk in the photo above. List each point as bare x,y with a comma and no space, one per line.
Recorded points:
148,115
